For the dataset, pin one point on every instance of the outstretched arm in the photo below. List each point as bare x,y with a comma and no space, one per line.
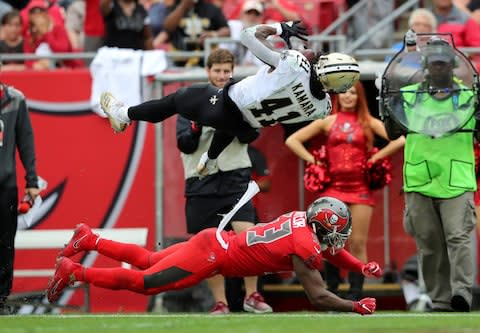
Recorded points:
255,39
316,291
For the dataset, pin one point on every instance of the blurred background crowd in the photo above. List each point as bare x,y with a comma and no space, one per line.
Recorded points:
43,27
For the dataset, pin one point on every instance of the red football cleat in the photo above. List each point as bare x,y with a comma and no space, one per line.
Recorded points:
83,239
62,278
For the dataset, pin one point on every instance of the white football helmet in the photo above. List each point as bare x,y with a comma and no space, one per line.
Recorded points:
337,71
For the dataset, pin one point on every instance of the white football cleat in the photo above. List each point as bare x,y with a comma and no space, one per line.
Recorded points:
113,109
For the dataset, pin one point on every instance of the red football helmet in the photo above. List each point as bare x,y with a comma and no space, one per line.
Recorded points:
331,221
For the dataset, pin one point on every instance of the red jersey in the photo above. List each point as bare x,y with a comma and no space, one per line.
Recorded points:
268,247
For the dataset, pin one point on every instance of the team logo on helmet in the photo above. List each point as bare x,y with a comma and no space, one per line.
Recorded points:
331,221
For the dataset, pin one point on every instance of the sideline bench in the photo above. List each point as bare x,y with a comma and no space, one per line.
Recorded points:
56,239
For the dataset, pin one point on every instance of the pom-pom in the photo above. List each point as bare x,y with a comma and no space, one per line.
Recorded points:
379,173
316,177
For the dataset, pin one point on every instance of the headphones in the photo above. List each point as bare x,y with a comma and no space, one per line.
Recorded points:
442,45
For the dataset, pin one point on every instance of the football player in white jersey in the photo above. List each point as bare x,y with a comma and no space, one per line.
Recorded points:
292,87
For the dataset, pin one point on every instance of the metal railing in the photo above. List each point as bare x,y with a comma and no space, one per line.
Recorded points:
380,25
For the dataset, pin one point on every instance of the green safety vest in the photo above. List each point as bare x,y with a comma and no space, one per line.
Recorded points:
441,167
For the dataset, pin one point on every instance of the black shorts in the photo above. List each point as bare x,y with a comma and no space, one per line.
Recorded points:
203,212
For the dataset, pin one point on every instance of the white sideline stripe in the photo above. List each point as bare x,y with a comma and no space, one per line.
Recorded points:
34,272
57,238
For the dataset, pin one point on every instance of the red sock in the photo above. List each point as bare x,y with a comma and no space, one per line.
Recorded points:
130,253
114,278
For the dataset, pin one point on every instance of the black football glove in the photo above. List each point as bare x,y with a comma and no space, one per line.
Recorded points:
293,29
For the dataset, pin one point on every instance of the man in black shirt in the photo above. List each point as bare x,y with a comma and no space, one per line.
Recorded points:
190,22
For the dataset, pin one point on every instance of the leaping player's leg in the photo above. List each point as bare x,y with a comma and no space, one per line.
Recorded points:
120,115
115,110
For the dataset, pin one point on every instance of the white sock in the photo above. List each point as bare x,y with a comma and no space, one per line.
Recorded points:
122,114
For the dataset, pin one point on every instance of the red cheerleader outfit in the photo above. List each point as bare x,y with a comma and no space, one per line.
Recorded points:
347,157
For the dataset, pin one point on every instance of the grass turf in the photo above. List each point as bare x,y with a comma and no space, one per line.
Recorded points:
245,323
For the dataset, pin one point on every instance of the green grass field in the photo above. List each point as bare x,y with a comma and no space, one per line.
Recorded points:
298,322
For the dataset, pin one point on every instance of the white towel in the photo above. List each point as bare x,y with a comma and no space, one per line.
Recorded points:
117,71
120,72
153,62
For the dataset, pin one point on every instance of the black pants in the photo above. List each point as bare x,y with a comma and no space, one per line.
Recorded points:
205,104
8,229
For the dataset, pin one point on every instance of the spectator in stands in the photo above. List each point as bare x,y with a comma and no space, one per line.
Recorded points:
157,11
85,26
93,27
367,17
421,21
16,133
472,8
16,4
464,29
12,39
350,132
209,198
126,24
4,8
74,22
55,12
273,11
251,15
294,241
190,22
281,10
468,6
45,37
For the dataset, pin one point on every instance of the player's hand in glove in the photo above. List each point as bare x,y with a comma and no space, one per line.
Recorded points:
372,269
293,29
365,306
206,165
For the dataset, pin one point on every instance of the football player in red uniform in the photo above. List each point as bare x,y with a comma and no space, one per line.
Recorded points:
295,241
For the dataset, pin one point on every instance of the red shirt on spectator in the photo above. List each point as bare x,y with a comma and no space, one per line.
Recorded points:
465,30
57,40
270,14
54,10
93,25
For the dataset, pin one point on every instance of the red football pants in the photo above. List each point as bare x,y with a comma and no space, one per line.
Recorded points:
201,257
